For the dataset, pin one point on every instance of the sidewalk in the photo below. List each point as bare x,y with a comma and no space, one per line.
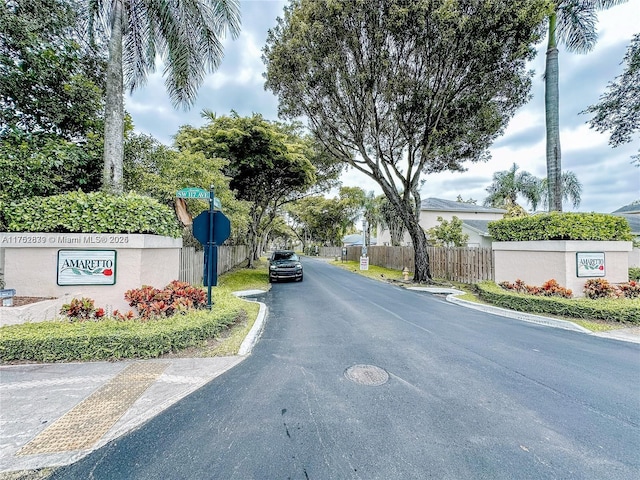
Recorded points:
55,414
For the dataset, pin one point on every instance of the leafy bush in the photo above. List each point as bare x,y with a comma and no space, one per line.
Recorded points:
81,310
630,289
634,274
600,288
624,310
176,297
111,339
97,212
561,226
550,288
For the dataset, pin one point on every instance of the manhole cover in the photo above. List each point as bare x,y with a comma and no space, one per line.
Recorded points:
367,375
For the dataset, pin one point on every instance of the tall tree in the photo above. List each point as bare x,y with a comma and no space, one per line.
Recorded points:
185,34
508,184
266,164
448,233
50,82
50,101
400,88
322,220
572,23
618,110
158,171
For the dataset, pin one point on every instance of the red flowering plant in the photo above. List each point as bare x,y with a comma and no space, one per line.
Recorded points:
600,288
630,289
550,288
174,298
80,310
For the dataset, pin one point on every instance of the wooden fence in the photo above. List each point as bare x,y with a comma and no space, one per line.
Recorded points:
192,261
466,265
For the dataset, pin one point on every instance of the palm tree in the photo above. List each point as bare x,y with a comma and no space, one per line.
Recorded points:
506,186
571,189
186,35
571,22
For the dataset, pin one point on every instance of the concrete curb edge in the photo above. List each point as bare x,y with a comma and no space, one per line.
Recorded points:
503,312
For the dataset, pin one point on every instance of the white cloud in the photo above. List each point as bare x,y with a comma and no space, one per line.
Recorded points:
609,180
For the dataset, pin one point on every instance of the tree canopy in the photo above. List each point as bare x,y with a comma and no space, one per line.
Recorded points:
50,101
50,81
266,162
618,110
400,88
158,171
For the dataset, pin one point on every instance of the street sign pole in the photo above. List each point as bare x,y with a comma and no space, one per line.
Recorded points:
210,247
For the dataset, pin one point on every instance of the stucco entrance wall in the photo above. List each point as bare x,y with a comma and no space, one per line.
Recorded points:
31,263
536,262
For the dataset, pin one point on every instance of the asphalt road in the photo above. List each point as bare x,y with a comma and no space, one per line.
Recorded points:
455,394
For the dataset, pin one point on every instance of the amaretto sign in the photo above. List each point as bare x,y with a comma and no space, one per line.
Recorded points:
590,264
86,267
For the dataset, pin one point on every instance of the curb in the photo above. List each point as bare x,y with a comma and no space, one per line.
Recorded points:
254,334
503,312
252,337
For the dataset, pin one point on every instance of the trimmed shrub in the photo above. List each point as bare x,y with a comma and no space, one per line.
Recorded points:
96,212
561,226
111,339
624,310
634,274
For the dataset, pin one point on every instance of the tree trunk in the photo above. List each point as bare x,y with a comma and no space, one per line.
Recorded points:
114,108
552,106
422,272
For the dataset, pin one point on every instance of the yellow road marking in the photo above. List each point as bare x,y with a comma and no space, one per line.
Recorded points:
87,422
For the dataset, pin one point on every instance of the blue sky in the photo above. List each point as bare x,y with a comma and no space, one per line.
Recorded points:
608,178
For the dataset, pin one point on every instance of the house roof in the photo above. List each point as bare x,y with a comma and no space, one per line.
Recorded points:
439,204
631,208
479,226
356,239
634,222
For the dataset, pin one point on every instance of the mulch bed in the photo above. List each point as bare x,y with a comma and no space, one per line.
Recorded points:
20,301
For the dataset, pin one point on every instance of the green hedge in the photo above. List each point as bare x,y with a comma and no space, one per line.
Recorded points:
613,310
561,226
62,340
96,212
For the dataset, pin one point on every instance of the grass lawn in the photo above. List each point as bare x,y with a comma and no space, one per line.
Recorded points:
228,343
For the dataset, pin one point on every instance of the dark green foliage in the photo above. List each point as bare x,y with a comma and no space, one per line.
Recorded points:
43,165
448,234
110,339
97,212
50,101
618,109
561,226
49,82
634,274
613,310
268,163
